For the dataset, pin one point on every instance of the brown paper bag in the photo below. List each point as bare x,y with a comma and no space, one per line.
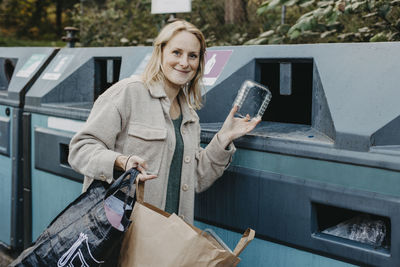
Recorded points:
157,238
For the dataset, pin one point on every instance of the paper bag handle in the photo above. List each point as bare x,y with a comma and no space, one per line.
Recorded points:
139,190
244,241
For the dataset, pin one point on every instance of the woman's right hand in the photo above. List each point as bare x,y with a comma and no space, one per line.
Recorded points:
128,162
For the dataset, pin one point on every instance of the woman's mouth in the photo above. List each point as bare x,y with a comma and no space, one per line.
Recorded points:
183,71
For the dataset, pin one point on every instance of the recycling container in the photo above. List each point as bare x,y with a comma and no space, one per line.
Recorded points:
55,109
19,68
324,158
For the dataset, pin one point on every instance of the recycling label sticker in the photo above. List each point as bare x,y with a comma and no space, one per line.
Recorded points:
57,67
215,61
31,65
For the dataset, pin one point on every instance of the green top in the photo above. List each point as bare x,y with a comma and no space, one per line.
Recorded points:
174,178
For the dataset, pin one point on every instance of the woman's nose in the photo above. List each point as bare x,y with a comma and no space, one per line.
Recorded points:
183,62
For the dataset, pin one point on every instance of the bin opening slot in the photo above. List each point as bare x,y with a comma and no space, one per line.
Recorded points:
64,152
291,84
107,71
7,66
365,228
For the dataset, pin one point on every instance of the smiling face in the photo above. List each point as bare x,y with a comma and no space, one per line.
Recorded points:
180,59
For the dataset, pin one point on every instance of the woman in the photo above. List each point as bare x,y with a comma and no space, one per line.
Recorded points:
149,122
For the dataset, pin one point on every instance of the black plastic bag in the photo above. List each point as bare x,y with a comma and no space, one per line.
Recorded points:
82,235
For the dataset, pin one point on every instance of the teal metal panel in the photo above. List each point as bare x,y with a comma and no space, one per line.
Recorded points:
50,193
348,175
264,253
5,190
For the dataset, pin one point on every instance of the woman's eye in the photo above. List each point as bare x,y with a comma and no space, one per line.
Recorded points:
176,53
193,56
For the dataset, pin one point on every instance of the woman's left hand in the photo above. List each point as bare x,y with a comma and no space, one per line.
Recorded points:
234,128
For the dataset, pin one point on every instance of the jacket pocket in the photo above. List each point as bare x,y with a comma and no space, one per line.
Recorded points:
144,132
147,142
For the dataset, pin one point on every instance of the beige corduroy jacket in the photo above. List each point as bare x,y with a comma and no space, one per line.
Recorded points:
131,119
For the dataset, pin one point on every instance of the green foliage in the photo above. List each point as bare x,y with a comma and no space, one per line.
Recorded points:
7,41
120,22
333,21
116,23
277,32
208,15
32,19
129,22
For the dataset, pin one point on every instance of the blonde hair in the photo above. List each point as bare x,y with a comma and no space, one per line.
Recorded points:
153,71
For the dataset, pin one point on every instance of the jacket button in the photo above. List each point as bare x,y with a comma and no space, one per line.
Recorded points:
187,159
103,176
185,187
183,131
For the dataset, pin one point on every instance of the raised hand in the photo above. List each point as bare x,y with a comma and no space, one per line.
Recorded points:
234,128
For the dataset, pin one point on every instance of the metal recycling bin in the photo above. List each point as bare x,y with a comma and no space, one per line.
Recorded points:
327,150
56,107
19,68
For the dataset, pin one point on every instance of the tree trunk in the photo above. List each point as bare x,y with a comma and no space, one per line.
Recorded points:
37,16
235,11
59,10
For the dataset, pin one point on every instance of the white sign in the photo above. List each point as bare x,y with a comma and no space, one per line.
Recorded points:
31,65
170,6
57,67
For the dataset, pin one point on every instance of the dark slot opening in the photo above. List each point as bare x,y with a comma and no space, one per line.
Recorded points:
329,217
291,102
107,71
8,66
64,152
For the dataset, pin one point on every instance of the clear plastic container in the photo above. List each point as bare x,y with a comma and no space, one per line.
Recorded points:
361,228
252,99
